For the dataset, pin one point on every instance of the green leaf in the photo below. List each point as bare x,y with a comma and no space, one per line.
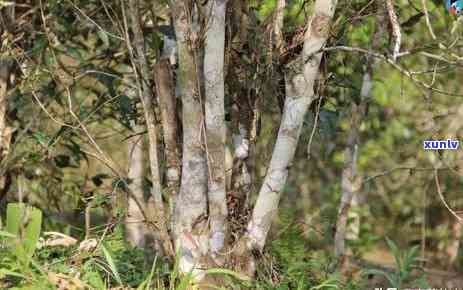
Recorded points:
62,160
39,45
229,273
112,265
41,138
95,280
7,234
13,218
6,272
74,53
396,253
126,109
25,223
104,38
146,285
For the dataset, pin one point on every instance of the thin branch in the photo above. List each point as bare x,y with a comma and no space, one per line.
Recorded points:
442,198
395,29
428,22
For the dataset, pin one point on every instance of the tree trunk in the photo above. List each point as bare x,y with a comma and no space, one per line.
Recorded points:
165,89
142,74
351,180
7,17
214,53
300,78
190,207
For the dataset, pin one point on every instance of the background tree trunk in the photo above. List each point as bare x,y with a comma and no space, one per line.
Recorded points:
351,179
141,68
135,227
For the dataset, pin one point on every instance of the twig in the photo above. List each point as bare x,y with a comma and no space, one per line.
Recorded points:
317,113
442,198
428,22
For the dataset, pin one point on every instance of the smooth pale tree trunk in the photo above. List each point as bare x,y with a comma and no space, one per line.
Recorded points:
190,207
143,76
300,78
135,228
214,53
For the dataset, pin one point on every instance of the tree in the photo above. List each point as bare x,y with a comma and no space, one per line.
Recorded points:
202,80
200,231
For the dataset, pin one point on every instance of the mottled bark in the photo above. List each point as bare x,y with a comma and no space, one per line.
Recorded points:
6,74
160,220
135,228
395,25
350,183
300,78
214,52
190,207
5,70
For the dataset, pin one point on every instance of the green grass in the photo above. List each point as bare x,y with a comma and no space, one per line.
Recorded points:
287,263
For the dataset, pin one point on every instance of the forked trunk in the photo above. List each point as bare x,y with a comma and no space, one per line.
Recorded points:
300,79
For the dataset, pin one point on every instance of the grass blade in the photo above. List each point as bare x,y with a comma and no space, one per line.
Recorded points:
112,265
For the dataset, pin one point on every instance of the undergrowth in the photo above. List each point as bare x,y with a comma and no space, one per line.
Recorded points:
287,263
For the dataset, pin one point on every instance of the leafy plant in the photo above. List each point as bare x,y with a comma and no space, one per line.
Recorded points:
23,223
405,263
20,237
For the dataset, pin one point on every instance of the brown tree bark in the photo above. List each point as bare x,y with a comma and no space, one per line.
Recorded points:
7,23
165,89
